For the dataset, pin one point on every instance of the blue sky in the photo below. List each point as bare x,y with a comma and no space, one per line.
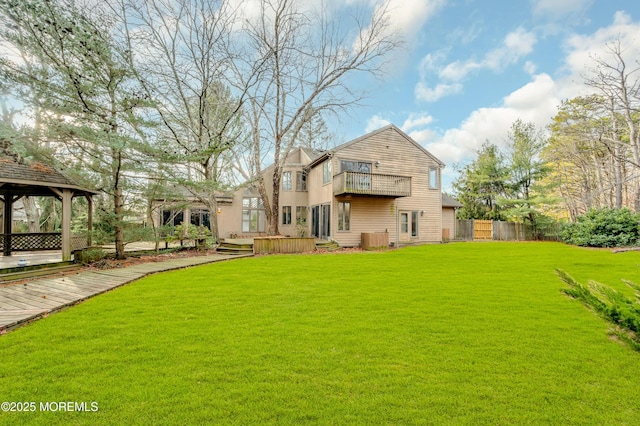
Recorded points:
470,68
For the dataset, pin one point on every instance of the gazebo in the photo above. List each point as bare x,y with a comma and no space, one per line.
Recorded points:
20,180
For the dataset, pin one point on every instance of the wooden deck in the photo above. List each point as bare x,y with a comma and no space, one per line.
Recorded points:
23,303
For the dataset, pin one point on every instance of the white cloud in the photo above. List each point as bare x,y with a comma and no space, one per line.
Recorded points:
376,122
416,120
408,16
582,49
516,45
535,102
428,94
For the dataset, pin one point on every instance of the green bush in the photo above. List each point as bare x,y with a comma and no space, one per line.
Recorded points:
615,307
603,228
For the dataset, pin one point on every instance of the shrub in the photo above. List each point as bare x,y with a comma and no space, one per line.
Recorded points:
615,307
603,228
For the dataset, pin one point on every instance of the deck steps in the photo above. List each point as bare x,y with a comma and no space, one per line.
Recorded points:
327,245
235,246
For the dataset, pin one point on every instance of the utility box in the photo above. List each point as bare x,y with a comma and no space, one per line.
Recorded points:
374,240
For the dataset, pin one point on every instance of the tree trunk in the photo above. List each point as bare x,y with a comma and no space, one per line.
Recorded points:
31,211
275,203
118,202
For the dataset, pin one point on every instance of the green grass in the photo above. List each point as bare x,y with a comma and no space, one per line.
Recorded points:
467,333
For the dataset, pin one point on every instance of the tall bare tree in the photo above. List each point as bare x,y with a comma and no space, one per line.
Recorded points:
616,80
182,52
306,57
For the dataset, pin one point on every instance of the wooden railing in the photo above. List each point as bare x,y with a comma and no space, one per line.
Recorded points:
283,245
40,241
356,183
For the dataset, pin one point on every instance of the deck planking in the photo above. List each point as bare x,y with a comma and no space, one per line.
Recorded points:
23,303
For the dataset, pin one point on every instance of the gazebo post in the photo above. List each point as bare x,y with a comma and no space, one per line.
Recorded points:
67,198
89,219
8,218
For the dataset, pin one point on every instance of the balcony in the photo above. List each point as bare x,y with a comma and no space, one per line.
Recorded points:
373,185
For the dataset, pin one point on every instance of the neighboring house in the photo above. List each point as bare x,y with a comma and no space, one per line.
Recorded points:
449,207
383,181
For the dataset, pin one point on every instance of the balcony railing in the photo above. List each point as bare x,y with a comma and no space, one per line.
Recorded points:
356,183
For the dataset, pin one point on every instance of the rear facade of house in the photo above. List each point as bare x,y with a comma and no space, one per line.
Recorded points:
382,182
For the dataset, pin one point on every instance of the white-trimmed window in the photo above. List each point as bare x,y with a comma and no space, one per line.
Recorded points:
344,216
434,178
286,215
301,181
286,181
326,172
253,216
301,215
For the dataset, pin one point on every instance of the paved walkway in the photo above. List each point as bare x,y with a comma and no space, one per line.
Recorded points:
23,303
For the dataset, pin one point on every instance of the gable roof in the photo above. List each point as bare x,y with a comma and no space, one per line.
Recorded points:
450,202
35,175
330,152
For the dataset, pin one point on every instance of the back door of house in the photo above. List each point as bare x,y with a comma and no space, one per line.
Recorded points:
408,224
321,221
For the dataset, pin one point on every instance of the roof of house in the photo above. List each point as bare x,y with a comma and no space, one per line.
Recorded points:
35,175
182,193
330,152
450,202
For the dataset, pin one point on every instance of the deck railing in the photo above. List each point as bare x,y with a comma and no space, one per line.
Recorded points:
357,183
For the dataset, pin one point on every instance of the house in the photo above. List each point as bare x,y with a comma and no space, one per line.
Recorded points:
382,182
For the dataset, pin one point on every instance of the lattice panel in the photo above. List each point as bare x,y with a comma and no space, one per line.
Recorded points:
79,242
35,242
42,241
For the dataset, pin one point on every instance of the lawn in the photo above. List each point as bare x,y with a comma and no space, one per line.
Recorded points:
462,333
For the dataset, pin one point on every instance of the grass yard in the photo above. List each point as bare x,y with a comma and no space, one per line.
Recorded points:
463,333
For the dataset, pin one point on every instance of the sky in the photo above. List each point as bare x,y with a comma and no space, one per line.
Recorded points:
470,68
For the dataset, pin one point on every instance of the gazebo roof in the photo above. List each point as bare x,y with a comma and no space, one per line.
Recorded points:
34,179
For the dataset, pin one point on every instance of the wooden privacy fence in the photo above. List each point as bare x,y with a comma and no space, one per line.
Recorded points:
486,230
283,245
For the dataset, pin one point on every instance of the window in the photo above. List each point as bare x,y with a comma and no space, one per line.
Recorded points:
200,217
172,217
414,224
301,215
286,215
360,178
286,181
253,217
301,181
433,178
355,166
344,216
326,172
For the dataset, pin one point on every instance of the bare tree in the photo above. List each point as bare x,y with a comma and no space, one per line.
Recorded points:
619,85
182,54
306,58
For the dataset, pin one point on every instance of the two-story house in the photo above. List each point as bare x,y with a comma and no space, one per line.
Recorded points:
383,181
380,182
